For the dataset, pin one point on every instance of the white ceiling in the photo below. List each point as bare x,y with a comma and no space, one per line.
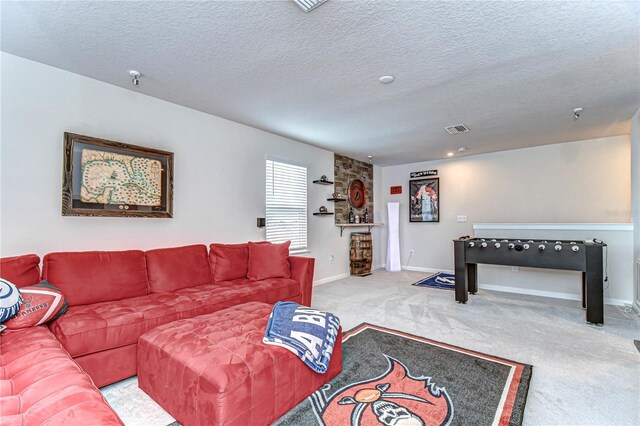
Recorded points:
511,71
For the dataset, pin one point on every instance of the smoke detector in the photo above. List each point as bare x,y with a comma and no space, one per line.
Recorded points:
576,113
308,5
458,128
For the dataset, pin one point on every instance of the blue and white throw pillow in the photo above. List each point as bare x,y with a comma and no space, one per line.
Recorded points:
10,300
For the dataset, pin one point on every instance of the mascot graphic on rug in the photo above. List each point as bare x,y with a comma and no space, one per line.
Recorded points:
393,399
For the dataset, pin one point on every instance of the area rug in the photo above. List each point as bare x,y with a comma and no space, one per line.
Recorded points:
438,280
398,379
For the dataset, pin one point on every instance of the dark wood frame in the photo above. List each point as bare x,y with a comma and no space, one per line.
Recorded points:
437,193
71,207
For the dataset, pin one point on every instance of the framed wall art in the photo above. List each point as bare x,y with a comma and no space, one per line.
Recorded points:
357,194
424,200
107,178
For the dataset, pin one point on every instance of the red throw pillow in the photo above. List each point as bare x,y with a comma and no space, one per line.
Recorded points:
230,261
41,303
269,261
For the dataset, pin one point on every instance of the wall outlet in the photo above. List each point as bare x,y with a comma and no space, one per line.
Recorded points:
412,252
515,269
462,218
331,259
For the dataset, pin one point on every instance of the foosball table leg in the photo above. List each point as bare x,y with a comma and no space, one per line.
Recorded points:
584,286
472,277
594,286
461,275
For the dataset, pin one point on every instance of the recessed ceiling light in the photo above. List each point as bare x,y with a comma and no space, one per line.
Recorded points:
449,154
462,149
386,79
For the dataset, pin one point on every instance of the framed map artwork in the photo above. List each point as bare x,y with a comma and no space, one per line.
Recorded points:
107,178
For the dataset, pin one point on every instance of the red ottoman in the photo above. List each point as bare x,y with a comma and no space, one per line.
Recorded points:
214,369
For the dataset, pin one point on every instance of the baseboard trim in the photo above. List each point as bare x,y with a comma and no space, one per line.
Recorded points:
418,269
330,279
519,290
542,293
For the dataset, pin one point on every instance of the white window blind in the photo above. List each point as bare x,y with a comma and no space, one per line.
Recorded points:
286,204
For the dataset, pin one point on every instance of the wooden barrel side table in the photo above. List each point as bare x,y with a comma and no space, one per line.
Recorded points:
361,253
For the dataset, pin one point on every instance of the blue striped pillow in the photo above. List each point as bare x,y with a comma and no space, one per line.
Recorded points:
10,300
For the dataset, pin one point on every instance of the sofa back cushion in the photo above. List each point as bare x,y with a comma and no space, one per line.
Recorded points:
97,276
171,269
269,261
21,270
229,261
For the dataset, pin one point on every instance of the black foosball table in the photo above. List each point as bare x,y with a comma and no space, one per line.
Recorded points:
583,256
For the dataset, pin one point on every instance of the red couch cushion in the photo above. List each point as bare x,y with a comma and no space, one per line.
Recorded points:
42,385
91,328
21,270
174,268
97,276
229,261
269,261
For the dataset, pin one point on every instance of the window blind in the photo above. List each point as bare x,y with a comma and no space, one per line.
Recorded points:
286,204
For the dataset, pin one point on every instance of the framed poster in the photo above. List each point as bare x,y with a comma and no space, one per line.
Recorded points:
424,200
107,178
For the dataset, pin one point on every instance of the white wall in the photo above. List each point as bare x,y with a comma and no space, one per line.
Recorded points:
219,169
635,198
582,181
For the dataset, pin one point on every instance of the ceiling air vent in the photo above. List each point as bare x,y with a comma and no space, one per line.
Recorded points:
308,5
458,128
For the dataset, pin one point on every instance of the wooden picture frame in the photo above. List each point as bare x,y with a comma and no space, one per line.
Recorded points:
424,200
114,179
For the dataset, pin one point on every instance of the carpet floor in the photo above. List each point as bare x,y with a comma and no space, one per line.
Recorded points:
584,375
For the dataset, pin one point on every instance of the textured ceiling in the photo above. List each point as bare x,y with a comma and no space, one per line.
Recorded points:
511,71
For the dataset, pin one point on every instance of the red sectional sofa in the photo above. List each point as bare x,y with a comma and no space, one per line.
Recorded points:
114,297
39,382
41,385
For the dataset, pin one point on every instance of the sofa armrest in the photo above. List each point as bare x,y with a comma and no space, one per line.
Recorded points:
302,271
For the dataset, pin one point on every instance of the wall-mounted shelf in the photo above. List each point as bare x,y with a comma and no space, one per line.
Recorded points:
357,225
323,214
323,182
336,199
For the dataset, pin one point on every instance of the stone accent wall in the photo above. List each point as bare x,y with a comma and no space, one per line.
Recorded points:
345,170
